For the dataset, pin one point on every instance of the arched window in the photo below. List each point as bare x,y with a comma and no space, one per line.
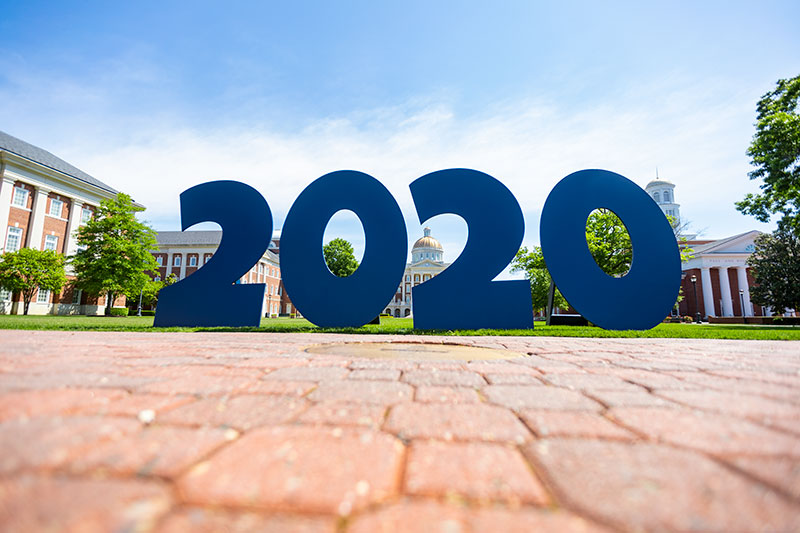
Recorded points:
666,196
426,277
397,313
416,277
656,197
408,312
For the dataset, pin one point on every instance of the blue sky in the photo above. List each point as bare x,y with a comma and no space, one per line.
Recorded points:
153,98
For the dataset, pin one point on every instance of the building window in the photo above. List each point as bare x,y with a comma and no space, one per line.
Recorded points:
426,277
176,261
20,197
14,239
76,296
666,196
86,215
656,197
408,277
56,206
159,260
157,278
51,242
43,297
193,261
5,295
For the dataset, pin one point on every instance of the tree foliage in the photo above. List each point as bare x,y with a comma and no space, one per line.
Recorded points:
609,242
776,270
151,290
115,250
532,264
340,258
775,152
27,270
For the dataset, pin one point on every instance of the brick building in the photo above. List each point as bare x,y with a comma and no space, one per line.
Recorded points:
717,273
43,200
183,252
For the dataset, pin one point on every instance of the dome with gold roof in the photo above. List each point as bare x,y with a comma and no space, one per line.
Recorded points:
426,247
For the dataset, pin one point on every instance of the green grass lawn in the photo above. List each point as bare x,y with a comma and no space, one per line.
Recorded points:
404,326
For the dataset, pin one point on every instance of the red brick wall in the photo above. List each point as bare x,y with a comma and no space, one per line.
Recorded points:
57,227
757,309
717,292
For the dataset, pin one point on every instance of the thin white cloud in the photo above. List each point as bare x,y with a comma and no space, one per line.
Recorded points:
695,133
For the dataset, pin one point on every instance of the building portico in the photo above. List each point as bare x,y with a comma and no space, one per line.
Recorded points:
719,274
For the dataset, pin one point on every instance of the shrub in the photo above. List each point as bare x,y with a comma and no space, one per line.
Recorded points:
148,312
119,311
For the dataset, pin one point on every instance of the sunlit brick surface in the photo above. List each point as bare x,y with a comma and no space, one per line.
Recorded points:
248,431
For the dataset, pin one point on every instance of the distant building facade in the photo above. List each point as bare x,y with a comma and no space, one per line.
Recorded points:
716,281
43,201
427,260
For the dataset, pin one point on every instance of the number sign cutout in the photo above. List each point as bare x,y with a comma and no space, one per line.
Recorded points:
464,295
209,297
641,298
323,298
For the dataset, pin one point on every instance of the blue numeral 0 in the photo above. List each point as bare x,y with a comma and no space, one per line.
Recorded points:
323,298
208,297
641,298
464,295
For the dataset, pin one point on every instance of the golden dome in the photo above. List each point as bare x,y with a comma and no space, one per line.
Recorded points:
659,182
427,241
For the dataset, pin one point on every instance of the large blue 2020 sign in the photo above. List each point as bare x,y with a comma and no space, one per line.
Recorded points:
637,300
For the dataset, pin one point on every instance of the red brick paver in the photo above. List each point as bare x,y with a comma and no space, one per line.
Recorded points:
250,432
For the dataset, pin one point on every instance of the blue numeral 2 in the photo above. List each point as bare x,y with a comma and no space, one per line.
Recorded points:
209,297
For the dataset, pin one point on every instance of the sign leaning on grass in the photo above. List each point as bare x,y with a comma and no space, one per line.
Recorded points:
637,300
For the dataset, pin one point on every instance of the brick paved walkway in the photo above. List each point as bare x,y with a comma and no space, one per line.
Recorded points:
240,432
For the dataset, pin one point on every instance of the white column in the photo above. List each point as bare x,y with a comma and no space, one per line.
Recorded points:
169,265
741,272
36,229
6,194
708,291
184,260
72,227
725,289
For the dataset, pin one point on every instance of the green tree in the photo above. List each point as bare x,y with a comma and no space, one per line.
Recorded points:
776,270
532,264
775,152
609,242
339,257
150,291
27,270
115,252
